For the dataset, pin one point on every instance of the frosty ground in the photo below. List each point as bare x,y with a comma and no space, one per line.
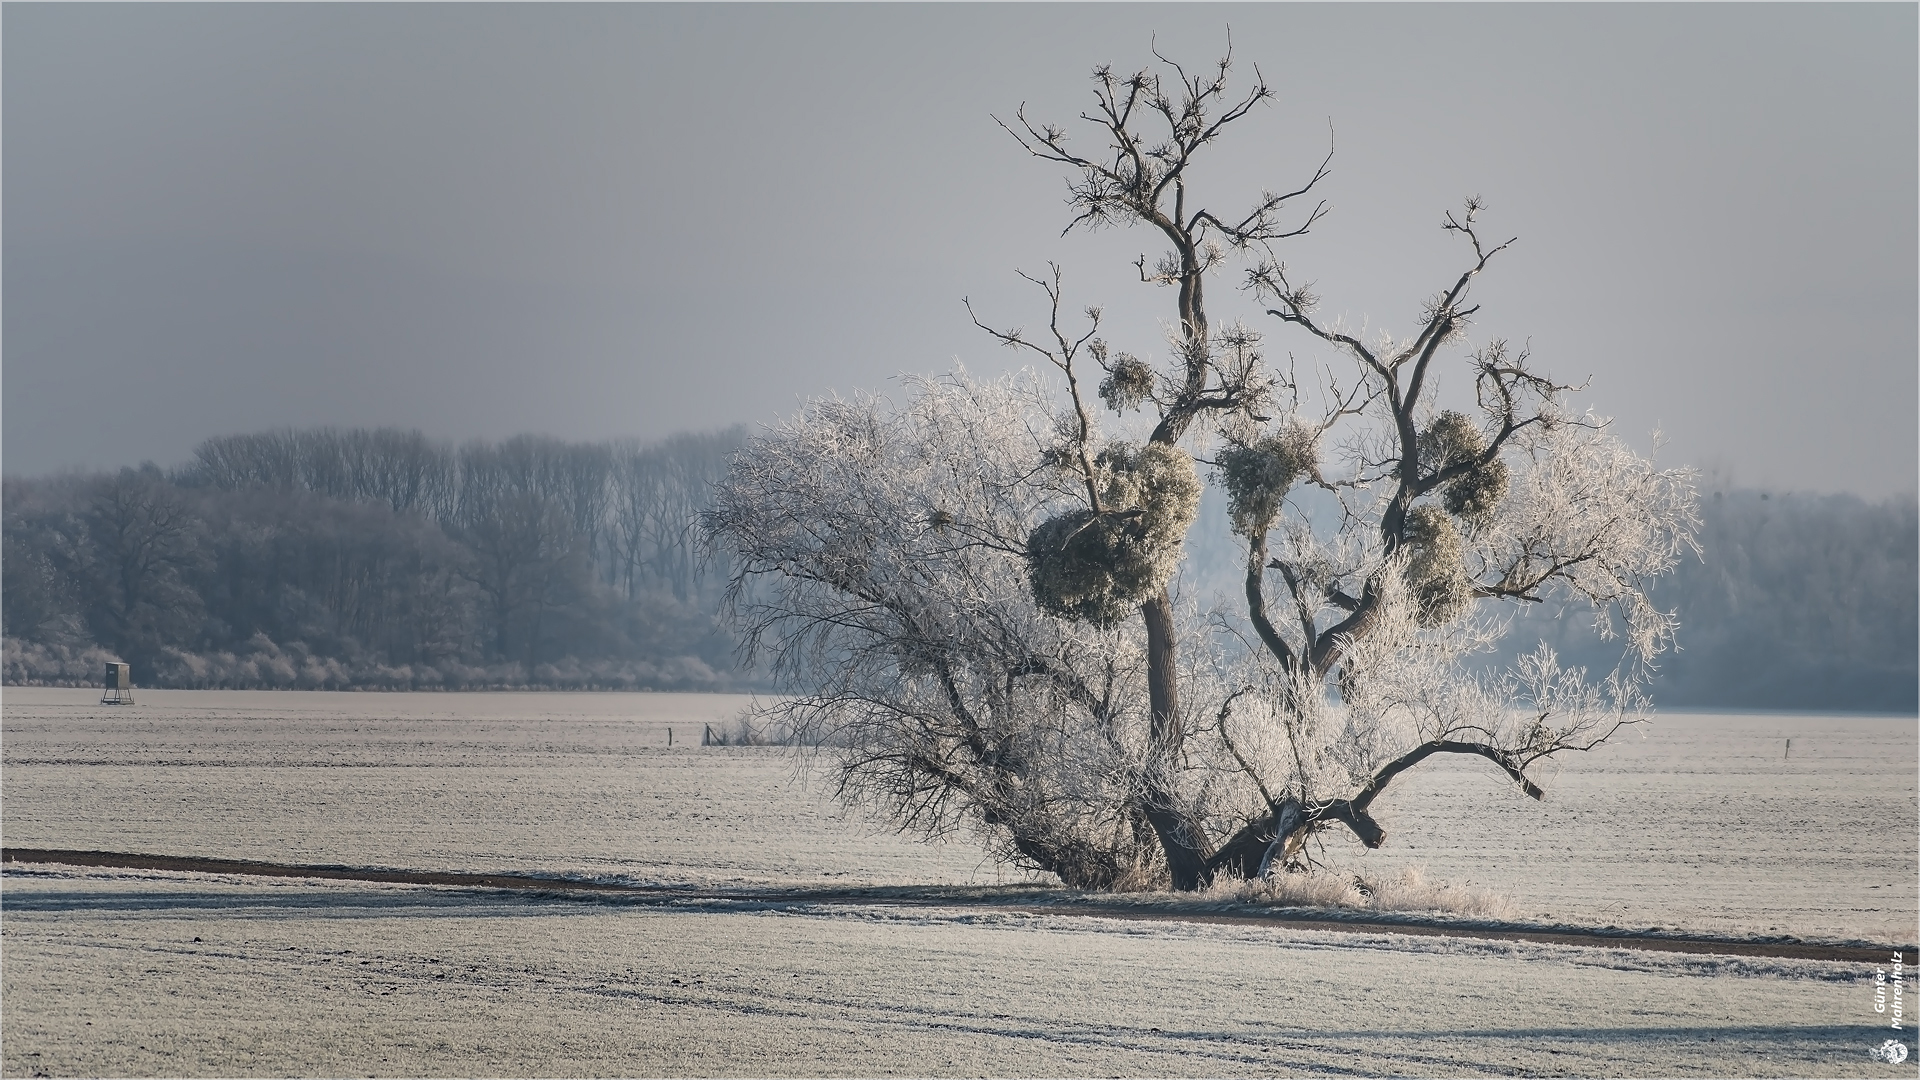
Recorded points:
1706,824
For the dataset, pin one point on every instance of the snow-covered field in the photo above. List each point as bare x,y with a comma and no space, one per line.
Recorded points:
1707,823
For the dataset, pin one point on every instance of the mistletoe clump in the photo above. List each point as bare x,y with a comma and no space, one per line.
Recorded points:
1128,385
1436,573
1453,440
1258,475
1098,566
1474,497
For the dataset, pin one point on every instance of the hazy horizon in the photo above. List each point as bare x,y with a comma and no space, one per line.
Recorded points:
1717,478
595,222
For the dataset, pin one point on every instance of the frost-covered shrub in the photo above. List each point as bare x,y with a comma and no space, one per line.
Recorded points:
1099,566
1409,890
34,663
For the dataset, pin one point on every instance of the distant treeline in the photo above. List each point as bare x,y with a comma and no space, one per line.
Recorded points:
356,558
384,559
1797,602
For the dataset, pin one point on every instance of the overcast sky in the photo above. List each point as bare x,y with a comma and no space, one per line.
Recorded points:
594,221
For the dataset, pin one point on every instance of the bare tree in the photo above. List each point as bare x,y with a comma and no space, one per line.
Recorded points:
528,560
639,481
405,469
139,542
1155,122
889,538
1430,523
658,494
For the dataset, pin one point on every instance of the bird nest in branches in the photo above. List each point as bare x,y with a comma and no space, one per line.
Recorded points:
1097,566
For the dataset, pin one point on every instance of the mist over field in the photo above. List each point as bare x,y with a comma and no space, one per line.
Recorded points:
362,559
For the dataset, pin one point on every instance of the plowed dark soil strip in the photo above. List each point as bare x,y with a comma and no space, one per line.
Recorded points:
928,897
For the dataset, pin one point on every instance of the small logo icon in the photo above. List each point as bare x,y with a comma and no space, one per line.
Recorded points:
1892,1051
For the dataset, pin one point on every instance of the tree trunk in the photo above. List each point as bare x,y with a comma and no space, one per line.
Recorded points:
1182,839
1163,692
1245,852
1280,835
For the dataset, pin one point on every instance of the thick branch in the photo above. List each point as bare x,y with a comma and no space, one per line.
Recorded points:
1426,750
1257,602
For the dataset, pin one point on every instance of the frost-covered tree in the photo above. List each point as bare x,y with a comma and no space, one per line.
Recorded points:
881,558
1154,125
951,585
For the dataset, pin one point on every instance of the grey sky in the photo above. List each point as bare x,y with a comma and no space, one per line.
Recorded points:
600,220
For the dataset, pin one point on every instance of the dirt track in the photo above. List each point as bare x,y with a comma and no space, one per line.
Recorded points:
1028,901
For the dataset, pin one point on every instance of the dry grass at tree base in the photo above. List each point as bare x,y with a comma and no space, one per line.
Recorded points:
747,730
1405,891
